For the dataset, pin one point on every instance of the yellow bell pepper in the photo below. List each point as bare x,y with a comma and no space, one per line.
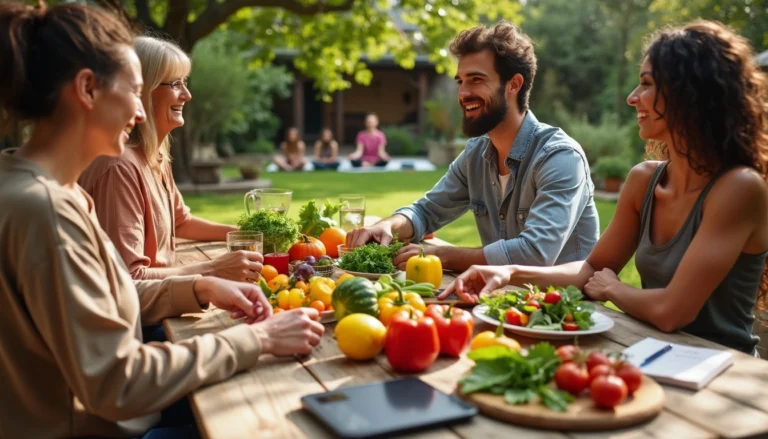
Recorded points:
396,302
425,268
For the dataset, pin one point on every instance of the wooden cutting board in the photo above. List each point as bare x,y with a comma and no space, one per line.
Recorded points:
582,415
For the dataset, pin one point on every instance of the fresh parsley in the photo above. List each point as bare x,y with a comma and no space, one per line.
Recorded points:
313,220
279,231
519,378
371,258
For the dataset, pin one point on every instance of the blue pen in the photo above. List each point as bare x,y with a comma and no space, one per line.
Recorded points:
656,355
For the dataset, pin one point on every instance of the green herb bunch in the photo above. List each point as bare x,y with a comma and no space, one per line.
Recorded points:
280,232
549,317
519,378
313,220
371,258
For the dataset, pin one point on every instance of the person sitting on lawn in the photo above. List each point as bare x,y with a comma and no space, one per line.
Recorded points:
293,148
73,360
371,146
137,201
527,183
326,152
697,222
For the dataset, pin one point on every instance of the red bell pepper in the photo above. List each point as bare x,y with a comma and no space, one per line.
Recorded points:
412,342
454,328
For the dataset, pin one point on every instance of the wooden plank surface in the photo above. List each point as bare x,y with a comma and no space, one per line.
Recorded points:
266,399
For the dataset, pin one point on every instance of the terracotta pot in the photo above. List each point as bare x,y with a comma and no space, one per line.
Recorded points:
612,184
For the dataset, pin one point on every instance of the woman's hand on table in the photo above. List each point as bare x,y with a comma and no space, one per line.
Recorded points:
479,279
241,266
290,332
239,298
600,283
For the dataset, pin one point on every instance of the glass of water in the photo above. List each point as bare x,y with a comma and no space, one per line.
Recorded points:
352,213
278,200
243,240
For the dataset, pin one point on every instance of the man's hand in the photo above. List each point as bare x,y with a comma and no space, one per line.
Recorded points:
479,279
380,232
407,252
290,332
600,283
239,298
239,266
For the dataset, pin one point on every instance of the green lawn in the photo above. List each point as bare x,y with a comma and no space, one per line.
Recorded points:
385,192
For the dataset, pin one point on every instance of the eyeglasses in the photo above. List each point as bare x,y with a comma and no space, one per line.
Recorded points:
177,84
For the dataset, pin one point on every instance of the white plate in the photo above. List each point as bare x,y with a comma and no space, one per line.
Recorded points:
399,275
602,323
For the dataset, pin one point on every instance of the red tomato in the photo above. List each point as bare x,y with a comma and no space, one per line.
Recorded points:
572,378
595,358
567,352
608,391
570,327
600,370
534,303
631,375
552,297
516,317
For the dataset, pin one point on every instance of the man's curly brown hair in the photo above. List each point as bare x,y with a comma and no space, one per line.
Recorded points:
716,98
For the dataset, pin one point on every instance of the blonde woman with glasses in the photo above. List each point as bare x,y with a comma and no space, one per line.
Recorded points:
137,201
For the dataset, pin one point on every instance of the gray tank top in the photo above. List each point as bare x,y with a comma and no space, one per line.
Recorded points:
727,315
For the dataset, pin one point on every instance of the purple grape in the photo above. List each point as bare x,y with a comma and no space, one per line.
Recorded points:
304,271
310,260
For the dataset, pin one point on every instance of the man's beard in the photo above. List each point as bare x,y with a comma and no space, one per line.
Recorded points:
494,114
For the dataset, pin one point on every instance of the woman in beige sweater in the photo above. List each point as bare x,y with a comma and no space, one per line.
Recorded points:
137,201
73,361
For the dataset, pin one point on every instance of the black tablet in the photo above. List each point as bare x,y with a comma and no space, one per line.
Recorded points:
386,408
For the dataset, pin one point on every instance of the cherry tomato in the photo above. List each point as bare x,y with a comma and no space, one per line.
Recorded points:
595,358
516,317
599,370
631,375
572,378
608,391
570,327
534,303
552,297
567,352
318,305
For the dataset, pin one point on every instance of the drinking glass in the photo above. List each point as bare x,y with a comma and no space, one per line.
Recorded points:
278,200
244,240
352,213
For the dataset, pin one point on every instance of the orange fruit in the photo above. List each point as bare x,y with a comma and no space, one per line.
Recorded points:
269,272
331,238
318,305
277,281
302,286
277,310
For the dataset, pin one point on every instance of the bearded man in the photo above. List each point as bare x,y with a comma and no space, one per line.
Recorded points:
527,183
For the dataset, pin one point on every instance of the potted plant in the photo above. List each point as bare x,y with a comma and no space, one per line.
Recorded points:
250,171
613,171
444,116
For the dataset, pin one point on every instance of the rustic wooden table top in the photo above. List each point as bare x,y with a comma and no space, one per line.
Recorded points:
265,401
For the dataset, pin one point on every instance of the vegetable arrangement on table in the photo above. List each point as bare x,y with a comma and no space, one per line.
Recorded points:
555,377
553,310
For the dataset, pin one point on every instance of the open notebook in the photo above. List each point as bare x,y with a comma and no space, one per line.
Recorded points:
683,366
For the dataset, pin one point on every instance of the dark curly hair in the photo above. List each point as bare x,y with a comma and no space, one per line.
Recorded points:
716,98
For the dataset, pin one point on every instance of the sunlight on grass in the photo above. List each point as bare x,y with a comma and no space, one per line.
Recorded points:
385,192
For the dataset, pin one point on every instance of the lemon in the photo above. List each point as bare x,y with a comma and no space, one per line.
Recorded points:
360,336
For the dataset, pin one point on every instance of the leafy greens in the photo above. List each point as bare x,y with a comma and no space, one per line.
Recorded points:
549,317
279,231
371,258
313,220
519,378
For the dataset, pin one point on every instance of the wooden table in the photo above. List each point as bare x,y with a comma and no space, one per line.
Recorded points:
264,401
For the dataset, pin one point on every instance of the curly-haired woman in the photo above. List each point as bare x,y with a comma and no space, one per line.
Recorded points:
698,219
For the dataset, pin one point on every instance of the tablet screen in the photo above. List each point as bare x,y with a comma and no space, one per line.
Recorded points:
386,407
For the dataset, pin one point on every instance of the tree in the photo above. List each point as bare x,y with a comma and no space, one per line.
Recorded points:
332,39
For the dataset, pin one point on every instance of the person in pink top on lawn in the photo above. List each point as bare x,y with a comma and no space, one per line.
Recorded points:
371,145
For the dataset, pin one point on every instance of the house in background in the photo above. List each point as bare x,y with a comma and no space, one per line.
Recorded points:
395,94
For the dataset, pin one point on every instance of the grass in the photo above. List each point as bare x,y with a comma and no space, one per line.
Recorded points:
385,192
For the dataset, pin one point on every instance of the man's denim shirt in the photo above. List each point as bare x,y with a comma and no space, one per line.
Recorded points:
548,213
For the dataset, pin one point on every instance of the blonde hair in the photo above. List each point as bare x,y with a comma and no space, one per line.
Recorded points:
160,59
